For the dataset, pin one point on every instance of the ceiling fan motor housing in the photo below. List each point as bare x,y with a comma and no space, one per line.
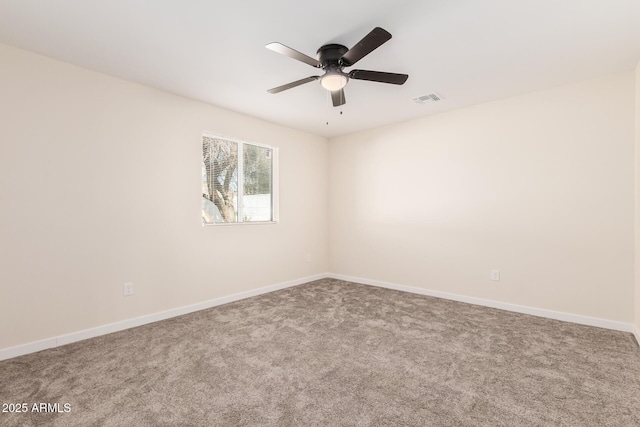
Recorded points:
329,55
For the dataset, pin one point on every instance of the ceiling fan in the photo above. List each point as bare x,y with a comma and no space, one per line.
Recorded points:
333,58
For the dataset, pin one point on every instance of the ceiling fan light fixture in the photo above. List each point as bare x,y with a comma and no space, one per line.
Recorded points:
333,81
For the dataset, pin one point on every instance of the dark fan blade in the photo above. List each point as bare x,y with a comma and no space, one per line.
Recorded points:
338,98
293,84
368,44
292,53
379,76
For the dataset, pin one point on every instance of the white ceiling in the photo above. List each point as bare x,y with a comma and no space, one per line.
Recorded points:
469,51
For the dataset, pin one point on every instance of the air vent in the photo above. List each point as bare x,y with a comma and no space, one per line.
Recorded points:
430,97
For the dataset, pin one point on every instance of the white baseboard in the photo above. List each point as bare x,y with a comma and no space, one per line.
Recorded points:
32,347
567,317
35,346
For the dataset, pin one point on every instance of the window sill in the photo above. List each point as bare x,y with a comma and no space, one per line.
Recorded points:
226,224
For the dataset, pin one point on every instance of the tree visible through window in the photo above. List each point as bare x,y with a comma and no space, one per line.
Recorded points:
237,191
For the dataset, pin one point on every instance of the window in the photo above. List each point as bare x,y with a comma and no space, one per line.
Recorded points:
238,191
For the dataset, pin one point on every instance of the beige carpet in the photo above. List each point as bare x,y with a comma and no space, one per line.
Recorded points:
332,353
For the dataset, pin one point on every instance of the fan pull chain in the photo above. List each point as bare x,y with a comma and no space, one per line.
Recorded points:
330,102
328,97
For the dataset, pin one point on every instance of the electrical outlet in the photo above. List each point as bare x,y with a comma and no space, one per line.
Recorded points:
308,257
127,289
495,274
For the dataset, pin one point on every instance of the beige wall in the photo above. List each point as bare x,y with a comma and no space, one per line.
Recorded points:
540,186
637,253
100,184
99,180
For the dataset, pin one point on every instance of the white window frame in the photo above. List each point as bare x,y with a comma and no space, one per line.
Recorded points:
275,181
